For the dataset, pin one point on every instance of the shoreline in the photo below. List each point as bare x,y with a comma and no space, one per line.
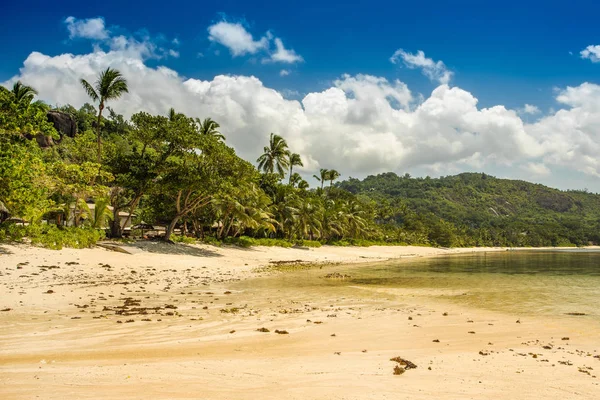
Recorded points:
187,330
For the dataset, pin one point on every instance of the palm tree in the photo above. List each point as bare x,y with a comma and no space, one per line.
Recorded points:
324,173
23,92
110,85
332,175
101,213
210,127
294,159
275,156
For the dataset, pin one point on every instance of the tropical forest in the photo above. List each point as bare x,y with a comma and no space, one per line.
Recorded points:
71,177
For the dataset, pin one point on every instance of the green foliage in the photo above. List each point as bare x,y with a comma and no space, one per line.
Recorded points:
308,243
175,170
479,210
24,184
51,236
19,116
183,239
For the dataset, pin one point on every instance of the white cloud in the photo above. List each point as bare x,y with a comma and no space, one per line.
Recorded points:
536,169
284,72
135,46
236,38
91,28
529,109
592,52
284,55
240,42
434,70
361,124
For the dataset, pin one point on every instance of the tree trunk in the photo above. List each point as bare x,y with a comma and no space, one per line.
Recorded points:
100,108
171,227
115,225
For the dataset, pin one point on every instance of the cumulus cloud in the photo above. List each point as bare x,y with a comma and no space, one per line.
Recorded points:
90,28
236,38
240,42
571,136
284,72
281,54
140,45
435,70
529,109
592,53
536,169
361,124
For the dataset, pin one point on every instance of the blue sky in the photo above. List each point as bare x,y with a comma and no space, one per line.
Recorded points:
507,53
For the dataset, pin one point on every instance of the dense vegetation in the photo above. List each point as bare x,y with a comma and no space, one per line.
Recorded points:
473,209
177,171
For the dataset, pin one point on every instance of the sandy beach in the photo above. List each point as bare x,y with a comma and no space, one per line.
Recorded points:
167,322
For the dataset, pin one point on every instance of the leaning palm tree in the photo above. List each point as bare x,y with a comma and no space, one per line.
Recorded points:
23,93
211,128
324,174
332,175
294,160
110,85
275,156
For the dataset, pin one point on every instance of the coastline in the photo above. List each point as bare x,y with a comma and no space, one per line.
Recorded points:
62,337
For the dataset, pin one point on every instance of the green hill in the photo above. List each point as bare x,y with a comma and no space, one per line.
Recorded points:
479,209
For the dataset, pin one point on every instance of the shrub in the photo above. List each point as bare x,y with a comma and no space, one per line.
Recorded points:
51,236
183,239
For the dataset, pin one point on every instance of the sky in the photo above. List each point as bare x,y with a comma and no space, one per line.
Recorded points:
507,88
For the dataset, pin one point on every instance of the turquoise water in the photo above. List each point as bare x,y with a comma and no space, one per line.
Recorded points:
520,282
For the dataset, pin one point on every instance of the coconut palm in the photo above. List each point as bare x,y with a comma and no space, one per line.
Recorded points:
323,176
23,93
110,85
210,127
303,185
275,157
332,175
294,160
101,214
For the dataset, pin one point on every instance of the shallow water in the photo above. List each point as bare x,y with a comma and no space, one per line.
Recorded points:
519,282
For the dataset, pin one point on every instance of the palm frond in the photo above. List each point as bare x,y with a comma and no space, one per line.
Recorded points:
89,90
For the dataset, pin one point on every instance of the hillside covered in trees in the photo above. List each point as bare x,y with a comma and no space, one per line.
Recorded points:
71,176
475,209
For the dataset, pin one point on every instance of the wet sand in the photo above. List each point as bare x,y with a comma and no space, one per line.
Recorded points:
175,322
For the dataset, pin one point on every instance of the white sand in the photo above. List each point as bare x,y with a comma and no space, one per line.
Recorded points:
68,343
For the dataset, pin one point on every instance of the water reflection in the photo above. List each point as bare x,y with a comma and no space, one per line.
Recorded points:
521,282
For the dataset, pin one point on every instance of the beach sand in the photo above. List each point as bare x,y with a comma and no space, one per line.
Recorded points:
170,322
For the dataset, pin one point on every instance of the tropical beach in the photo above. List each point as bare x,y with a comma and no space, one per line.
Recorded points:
315,200
217,323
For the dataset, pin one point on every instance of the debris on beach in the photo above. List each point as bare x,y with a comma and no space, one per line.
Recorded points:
263,330
337,275
281,332
407,364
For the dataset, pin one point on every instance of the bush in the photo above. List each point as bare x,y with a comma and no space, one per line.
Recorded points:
308,243
51,236
183,239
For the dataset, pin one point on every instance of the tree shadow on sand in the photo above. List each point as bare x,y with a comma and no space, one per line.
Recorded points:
4,250
160,247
